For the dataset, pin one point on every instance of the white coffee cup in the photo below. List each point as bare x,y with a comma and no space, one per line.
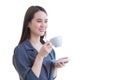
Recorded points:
56,41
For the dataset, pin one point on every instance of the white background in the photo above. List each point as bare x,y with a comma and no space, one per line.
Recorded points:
90,30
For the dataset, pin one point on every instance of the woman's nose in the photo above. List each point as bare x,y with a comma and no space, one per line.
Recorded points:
42,24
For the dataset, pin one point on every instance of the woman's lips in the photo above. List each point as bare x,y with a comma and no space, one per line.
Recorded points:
42,30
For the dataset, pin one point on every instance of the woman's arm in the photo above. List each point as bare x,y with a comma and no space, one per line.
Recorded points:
44,51
55,73
23,65
36,68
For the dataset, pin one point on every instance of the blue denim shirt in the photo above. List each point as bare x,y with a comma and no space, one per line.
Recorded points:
23,59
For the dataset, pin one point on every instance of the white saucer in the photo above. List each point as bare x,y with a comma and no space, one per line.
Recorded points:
60,60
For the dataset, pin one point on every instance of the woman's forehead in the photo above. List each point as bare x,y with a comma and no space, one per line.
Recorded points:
40,15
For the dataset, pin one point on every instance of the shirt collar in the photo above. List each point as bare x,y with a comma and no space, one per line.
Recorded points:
28,45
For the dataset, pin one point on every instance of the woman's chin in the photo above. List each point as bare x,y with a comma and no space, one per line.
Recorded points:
41,34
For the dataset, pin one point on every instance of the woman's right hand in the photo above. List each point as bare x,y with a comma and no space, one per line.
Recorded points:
43,52
45,49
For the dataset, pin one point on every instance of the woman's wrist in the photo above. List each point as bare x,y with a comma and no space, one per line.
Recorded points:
55,72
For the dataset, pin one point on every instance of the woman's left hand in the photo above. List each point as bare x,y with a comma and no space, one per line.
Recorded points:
61,64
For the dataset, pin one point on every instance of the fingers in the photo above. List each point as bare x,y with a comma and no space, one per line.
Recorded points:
64,58
48,43
46,49
60,65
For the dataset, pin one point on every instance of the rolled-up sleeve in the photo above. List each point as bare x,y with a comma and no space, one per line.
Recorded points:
22,64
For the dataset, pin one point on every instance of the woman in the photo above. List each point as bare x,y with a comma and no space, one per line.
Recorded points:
32,56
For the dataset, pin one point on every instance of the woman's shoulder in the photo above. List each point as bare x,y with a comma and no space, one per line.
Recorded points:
24,44
21,47
20,50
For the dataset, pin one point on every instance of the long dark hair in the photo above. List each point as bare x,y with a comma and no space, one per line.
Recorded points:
28,17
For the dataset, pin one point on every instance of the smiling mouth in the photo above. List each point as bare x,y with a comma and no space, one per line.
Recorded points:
42,30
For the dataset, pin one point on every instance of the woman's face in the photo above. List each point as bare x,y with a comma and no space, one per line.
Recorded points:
38,24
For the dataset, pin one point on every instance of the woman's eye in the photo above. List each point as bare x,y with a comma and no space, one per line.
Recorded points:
46,21
39,21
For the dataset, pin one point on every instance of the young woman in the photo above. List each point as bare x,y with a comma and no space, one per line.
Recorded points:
32,56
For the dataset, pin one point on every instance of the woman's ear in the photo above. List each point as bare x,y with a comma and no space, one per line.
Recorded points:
29,24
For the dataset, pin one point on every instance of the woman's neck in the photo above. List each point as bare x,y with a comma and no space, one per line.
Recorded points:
34,39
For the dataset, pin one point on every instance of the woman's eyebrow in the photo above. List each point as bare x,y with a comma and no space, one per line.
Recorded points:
40,19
